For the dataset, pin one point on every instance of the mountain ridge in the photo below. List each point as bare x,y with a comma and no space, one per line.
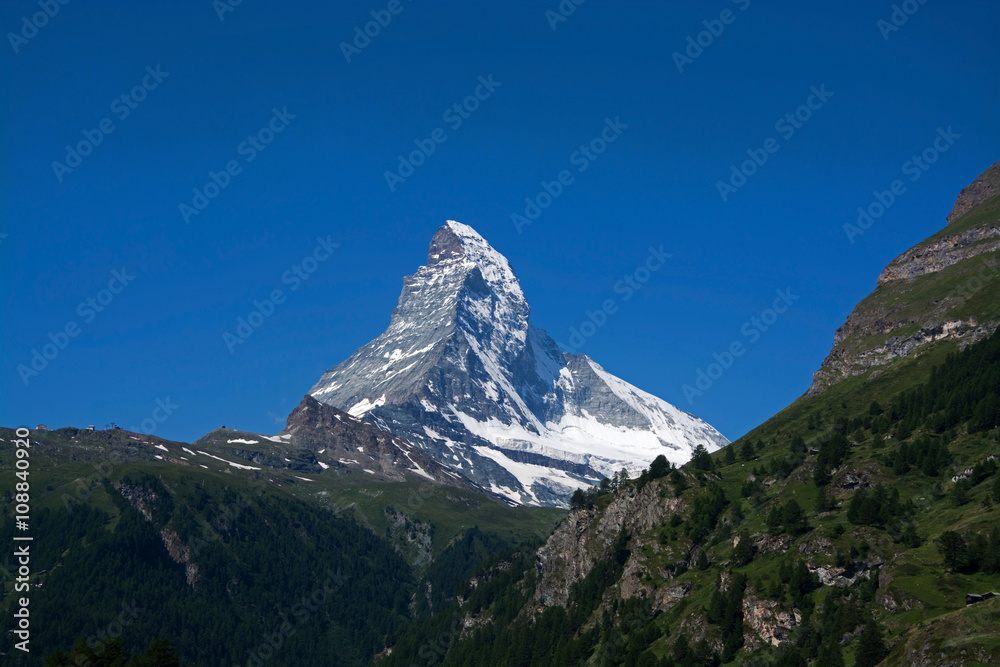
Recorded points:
933,291
462,372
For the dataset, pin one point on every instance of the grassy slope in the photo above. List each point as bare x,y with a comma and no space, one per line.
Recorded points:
953,293
922,606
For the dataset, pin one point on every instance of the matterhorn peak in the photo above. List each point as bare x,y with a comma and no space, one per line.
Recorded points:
462,373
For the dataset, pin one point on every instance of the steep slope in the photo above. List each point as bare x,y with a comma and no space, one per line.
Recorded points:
849,529
319,437
462,372
861,525
944,288
217,543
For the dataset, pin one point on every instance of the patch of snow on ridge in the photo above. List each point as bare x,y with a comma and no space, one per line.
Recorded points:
242,441
672,425
235,465
365,405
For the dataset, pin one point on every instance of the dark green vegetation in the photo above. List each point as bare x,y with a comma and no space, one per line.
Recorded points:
224,565
850,547
160,653
846,530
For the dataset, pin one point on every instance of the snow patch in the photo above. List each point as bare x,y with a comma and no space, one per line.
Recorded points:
235,465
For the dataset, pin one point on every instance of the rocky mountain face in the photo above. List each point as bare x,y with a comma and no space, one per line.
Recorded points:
587,535
463,373
944,288
984,188
318,438
349,443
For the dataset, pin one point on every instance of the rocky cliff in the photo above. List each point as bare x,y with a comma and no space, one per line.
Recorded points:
984,188
587,535
942,289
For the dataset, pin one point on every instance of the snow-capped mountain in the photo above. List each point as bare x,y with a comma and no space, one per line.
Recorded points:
462,372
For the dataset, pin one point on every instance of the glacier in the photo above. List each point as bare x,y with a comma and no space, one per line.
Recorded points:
462,373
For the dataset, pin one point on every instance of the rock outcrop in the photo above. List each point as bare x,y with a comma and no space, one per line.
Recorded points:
586,536
771,623
924,295
980,190
934,256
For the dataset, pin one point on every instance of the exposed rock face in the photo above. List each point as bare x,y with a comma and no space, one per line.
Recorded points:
842,363
940,254
462,372
416,535
345,441
587,535
983,188
896,322
144,500
771,623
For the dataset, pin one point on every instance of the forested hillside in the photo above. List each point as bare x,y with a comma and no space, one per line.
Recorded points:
847,530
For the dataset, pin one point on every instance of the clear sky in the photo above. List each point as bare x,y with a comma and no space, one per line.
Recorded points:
299,115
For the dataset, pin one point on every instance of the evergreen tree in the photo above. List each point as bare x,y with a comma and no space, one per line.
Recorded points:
743,551
660,467
953,548
830,654
729,456
794,518
871,648
700,459
824,503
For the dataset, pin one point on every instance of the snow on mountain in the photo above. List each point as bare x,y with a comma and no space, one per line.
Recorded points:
462,373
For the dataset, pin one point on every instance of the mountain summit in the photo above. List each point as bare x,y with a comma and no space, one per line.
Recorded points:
462,372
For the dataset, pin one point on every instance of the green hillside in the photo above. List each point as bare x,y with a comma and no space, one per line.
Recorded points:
221,558
846,530
831,486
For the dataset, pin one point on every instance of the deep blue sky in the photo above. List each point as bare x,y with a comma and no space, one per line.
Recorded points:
323,176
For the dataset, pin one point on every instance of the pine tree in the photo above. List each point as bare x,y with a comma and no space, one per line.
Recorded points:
729,456
830,654
871,648
953,548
